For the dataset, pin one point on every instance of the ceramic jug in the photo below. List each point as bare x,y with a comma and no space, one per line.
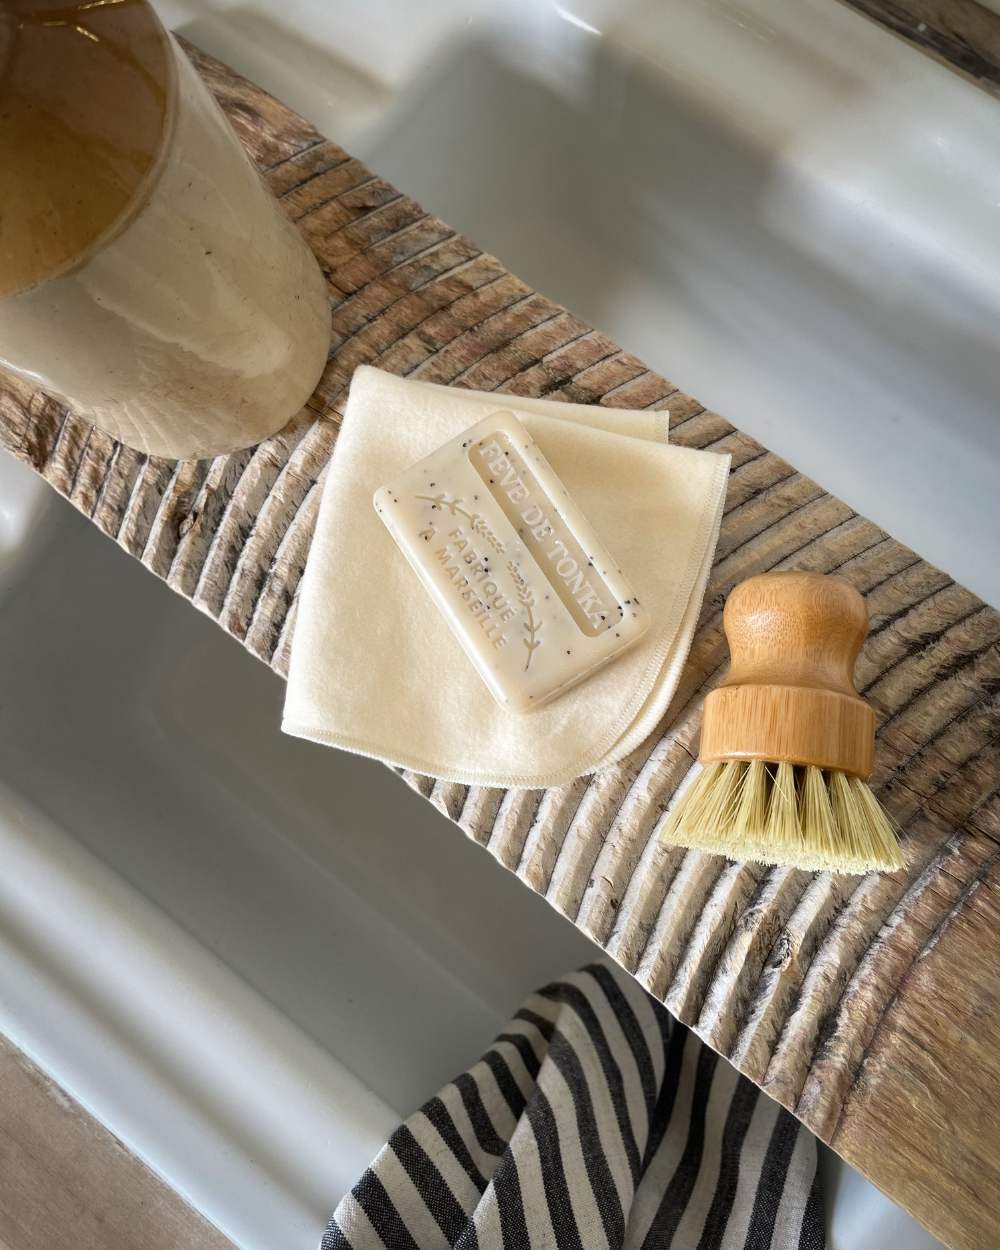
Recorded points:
147,275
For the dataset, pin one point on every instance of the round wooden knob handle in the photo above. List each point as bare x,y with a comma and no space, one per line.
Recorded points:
790,694
795,629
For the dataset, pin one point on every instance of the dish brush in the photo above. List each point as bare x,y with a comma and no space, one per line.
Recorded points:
787,743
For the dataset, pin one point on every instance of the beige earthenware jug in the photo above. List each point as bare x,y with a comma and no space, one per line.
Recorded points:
147,275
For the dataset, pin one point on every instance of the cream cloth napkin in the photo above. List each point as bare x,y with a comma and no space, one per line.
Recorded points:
375,669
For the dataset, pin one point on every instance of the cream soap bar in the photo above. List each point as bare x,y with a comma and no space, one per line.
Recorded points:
526,585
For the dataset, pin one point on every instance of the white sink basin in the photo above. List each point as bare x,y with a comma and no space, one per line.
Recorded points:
245,952
250,956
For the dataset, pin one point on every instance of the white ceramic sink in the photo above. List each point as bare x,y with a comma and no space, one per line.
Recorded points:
248,954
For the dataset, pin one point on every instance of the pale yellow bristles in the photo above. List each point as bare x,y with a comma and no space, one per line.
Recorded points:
708,803
816,814
784,814
751,811
783,828
872,838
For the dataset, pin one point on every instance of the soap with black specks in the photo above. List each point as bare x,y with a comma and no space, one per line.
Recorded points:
529,590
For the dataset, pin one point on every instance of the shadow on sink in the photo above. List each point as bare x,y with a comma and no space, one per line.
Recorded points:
264,49
341,896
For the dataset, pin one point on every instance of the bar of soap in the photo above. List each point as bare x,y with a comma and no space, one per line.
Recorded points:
527,587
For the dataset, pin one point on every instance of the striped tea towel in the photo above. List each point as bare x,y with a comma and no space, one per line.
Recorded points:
593,1122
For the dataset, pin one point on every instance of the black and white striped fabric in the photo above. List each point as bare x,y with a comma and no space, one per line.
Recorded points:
593,1122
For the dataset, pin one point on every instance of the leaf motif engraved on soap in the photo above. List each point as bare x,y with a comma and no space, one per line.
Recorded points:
476,522
454,506
531,627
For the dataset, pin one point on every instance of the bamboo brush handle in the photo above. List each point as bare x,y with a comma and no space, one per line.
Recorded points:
790,695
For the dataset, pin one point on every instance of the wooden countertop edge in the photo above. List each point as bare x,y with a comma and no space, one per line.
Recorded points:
66,1179
962,35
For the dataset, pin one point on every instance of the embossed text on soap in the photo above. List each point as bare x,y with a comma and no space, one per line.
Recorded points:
566,566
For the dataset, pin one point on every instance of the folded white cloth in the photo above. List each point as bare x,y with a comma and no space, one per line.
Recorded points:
375,669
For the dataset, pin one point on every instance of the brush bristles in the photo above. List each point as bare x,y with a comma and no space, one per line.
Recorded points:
784,814
751,811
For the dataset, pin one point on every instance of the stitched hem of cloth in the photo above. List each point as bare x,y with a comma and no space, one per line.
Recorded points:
464,777
638,718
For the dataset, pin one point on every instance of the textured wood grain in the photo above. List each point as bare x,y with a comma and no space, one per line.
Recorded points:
867,1006
961,34
66,1181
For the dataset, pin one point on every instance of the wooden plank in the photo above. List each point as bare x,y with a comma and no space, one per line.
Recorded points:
961,34
826,991
65,1180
